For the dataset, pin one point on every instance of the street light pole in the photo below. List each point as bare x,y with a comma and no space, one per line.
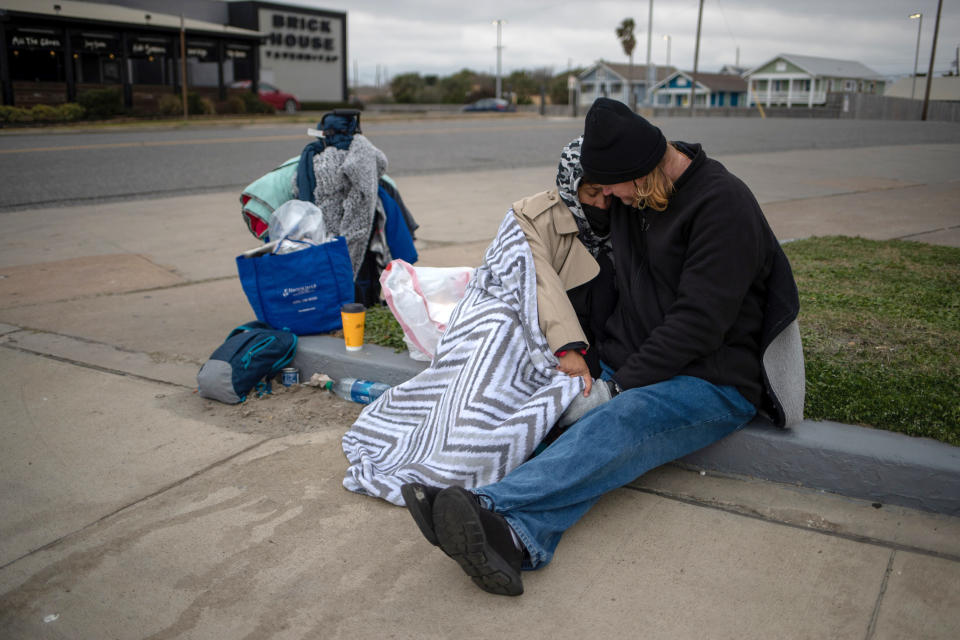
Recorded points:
183,68
499,24
667,38
916,56
651,74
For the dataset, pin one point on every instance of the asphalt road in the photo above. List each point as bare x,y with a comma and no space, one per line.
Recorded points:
56,168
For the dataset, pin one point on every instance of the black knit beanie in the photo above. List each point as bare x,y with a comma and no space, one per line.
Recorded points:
618,144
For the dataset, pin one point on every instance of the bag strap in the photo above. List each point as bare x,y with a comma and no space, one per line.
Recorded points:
256,324
287,357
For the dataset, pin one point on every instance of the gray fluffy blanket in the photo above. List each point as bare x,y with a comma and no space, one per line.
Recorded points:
346,192
488,398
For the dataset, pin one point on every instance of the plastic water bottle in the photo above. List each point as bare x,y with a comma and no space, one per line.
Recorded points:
362,391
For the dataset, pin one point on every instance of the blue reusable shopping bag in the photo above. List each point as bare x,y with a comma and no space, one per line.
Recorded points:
300,291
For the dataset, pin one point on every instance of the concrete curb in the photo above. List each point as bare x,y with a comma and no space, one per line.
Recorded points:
859,462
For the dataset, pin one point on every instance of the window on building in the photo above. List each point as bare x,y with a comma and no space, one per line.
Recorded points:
586,87
203,63
151,61
238,64
35,55
781,66
96,58
616,87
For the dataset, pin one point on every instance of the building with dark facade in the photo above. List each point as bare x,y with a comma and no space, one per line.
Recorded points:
52,51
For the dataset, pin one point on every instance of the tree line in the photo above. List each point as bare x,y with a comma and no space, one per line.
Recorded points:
465,86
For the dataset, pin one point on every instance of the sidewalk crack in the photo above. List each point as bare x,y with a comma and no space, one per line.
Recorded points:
872,627
94,367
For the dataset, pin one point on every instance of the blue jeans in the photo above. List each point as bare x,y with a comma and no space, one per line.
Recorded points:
638,430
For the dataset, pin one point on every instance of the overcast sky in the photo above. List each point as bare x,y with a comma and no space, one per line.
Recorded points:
443,36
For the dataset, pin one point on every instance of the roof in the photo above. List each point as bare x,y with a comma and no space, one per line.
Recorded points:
825,67
711,81
720,81
121,15
639,70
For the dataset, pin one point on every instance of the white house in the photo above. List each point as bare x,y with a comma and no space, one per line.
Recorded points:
610,80
795,80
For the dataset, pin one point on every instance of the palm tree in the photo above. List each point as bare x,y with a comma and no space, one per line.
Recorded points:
629,42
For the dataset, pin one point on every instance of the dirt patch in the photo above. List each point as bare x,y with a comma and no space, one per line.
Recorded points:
287,410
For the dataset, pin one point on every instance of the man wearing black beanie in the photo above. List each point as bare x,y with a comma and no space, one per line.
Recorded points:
704,289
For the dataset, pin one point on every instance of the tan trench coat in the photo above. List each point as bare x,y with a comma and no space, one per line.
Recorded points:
561,261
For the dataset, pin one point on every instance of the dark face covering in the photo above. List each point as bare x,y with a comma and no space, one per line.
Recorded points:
598,218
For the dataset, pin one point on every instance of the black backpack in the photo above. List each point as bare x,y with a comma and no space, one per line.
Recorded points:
251,352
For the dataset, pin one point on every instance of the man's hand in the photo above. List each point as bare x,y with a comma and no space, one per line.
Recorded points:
573,364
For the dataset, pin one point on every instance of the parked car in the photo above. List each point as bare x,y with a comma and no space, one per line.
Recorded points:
281,100
490,104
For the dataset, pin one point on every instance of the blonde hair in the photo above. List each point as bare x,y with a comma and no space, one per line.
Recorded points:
654,189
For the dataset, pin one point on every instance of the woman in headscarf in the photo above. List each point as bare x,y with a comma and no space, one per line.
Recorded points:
568,230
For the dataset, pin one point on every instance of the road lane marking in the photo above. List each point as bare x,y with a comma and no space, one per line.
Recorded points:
274,138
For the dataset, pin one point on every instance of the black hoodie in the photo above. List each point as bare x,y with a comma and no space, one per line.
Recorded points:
691,283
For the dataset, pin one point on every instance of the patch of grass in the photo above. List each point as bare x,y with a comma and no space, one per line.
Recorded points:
380,327
880,323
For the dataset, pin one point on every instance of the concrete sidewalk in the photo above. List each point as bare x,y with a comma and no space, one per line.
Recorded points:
132,508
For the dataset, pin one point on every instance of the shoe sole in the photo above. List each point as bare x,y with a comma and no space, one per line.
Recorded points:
461,537
420,508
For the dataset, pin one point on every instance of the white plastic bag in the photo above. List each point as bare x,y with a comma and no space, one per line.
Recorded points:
297,224
422,299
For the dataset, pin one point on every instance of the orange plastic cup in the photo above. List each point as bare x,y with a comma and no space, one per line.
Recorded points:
353,315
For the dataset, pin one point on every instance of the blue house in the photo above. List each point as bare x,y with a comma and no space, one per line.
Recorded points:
713,90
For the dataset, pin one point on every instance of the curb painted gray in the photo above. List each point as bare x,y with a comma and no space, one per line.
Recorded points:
875,465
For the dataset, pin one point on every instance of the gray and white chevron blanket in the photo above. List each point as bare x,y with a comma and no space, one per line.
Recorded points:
488,398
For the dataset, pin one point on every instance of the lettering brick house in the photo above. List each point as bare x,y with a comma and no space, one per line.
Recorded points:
51,51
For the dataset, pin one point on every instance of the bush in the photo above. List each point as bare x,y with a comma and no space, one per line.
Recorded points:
67,112
198,105
233,104
101,103
317,105
253,104
14,115
44,113
70,111
169,105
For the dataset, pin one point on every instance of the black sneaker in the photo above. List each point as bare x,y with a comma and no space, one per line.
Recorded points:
479,540
419,500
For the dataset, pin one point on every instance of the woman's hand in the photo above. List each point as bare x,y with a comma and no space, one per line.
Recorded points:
573,364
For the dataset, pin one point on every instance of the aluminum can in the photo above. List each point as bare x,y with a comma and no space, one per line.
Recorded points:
290,376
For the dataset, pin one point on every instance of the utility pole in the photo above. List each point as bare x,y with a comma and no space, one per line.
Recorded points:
916,56
933,54
696,61
651,73
499,24
183,66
